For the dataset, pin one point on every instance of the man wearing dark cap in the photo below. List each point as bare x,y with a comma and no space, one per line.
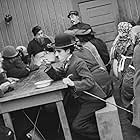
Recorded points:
85,33
78,28
38,45
75,73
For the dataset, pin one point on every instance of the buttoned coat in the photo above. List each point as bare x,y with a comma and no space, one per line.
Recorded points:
81,76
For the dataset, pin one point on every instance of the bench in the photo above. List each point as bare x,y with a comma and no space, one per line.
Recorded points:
108,122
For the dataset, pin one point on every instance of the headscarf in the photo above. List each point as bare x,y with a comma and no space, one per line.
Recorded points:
124,27
121,43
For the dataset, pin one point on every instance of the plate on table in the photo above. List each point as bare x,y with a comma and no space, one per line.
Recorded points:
43,83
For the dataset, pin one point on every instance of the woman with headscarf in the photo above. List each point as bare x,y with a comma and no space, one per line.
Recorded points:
127,91
121,53
122,49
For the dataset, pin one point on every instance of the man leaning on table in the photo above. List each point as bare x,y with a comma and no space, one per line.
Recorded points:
75,73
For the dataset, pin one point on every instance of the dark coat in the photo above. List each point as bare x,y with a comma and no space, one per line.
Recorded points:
16,69
82,77
86,55
35,47
97,42
101,48
101,76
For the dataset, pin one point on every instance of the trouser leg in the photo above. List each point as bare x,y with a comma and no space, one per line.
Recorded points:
85,121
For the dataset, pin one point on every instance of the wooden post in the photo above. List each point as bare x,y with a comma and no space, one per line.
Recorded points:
63,120
108,122
8,122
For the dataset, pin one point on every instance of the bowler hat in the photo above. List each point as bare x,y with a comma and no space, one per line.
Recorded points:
9,52
36,29
73,13
63,40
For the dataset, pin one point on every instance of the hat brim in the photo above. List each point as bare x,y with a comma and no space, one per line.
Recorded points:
12,55
61,47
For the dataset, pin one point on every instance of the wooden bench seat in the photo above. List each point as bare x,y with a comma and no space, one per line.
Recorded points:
108,122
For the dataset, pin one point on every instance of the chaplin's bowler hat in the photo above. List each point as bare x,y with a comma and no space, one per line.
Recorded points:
63,40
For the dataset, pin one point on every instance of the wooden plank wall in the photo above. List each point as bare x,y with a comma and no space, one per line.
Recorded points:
102,17
50,14
129,10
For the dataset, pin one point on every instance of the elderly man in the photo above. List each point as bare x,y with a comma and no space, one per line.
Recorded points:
13,64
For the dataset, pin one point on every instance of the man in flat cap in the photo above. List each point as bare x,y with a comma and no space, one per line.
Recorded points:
78,28
84,32
37,47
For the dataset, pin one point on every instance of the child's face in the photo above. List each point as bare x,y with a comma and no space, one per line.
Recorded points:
62,54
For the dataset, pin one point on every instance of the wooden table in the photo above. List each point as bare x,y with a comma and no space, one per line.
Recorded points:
26,95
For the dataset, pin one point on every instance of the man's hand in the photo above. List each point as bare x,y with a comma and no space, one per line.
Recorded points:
4,86
68,81
12,80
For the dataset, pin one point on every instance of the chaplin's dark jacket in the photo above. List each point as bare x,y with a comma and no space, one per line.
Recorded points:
81,76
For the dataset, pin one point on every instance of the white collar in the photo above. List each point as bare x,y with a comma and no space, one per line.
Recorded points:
68,58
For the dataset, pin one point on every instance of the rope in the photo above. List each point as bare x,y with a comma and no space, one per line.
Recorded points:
108,102
36,123
33,124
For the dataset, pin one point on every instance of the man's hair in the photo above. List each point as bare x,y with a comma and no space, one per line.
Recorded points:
36,29
73,13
